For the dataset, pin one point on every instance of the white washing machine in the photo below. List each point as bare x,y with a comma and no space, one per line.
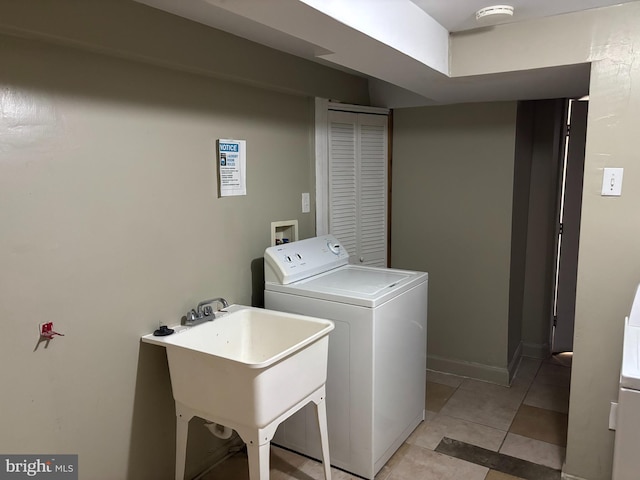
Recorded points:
626,461
377,352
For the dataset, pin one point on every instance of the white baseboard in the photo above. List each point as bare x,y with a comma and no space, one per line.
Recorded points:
567,476
488,373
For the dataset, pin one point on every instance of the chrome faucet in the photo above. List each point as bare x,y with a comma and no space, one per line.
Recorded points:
203,312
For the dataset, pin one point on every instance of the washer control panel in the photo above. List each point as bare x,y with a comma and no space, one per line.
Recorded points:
295,261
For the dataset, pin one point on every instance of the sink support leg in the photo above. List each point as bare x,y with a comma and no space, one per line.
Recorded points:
321,410
182,433
258,442
258,461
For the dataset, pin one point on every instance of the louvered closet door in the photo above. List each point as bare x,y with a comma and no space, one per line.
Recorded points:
358,185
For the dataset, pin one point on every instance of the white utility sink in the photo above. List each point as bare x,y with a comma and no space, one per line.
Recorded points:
249,369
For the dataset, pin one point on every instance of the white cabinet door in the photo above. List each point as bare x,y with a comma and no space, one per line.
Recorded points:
358,184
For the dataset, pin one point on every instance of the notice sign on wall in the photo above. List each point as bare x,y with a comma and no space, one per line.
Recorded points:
232,167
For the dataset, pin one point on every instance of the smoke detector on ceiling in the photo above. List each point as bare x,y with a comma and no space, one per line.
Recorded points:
494,12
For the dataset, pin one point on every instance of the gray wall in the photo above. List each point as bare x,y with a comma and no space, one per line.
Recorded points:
519,224
541,218
609,258
110,223
131,30
432,143
453,171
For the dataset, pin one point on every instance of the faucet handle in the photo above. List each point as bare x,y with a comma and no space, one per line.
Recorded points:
207,310
191,315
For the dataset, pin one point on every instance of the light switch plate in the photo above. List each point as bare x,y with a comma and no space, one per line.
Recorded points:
612,182
306,206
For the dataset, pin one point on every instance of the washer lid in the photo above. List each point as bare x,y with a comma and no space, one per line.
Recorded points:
356,281
630,372
354,285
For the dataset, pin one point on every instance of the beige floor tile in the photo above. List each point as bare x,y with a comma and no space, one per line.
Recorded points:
534,451
384,473
312,470
552,374
493,409
527,370
437,396
285,461
429,434
495,475
550,397
564,359
235,467
513,394
423,464
545,425
396,458
429,416
283,465
444,378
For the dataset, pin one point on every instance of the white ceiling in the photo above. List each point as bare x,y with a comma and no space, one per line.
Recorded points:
340,35
459,15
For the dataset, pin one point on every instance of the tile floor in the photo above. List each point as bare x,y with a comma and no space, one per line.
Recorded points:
473,430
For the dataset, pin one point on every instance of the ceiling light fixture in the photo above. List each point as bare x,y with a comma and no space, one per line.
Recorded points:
495,12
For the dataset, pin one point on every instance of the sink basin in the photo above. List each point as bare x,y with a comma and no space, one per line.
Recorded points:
247,366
